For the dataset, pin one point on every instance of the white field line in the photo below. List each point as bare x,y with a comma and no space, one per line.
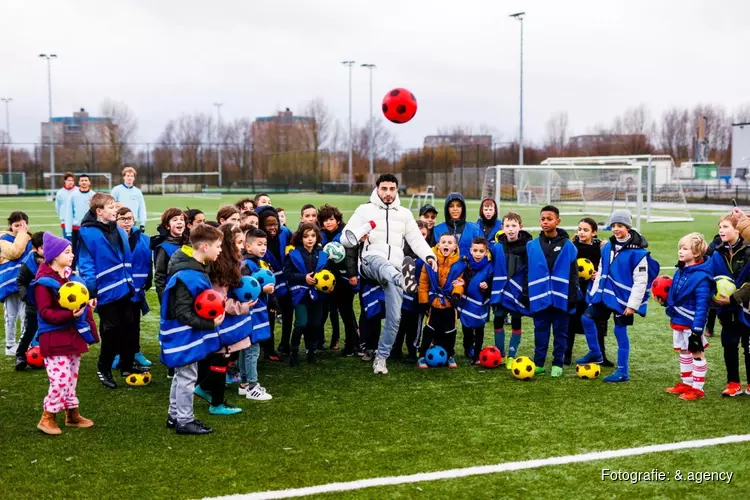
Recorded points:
485,469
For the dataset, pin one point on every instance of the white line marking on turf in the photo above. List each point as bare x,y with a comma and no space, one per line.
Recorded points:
485,469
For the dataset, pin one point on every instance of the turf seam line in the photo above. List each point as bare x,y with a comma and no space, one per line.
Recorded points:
484,469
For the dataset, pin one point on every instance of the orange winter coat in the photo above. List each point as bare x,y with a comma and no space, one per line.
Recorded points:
444,267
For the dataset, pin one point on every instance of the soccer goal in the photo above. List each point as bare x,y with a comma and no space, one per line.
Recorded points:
99,181
576,190
12,183
663,191
188,182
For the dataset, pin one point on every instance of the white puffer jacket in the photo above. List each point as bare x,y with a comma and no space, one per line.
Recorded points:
393,225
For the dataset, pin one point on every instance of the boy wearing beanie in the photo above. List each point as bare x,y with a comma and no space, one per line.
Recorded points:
622,284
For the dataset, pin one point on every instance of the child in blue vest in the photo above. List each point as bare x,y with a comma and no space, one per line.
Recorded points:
489,221
256,245
170,238
621,287
185,337
439,296
15,245
25,277
687,307
63,336
457,225
104,264
552,288
142,273
509,292
300,267
474,308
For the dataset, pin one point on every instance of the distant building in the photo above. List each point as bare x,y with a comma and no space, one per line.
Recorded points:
79,129
454,141
280,133
606,140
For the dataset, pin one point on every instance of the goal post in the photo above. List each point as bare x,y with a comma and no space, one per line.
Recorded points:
192,182
575,189
98,179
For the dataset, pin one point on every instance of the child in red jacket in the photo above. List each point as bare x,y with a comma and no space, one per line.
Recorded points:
63,336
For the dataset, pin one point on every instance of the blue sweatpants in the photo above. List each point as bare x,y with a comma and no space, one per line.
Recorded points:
548,321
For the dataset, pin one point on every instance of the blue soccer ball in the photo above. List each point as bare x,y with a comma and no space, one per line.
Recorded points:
436,356
264,277
248,290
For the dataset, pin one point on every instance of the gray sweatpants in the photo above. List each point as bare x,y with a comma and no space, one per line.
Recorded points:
379,269
181,394
14,309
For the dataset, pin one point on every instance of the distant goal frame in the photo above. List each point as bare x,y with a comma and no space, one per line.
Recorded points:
166,175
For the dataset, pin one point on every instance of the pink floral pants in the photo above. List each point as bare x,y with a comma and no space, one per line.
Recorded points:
63,378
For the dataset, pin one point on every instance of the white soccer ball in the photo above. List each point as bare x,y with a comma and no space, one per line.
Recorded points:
335,251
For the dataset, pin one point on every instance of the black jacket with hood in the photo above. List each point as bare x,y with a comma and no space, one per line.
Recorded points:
181,303
161,258
515,251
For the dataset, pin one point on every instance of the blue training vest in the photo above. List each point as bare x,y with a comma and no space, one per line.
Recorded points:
181,344
261,324
300,290
106,272
372,299
277,266
31,263
549,289
493,232
44,326
616,280
9,270
140,266
471,231
443,293
499,273
474,309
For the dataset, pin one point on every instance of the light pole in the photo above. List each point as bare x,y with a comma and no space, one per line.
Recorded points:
49,58
372,127
218,134
519,17
7,100
350,64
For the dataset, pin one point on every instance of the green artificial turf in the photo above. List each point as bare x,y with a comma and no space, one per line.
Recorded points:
338,422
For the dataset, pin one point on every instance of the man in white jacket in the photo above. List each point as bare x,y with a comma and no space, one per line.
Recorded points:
382,257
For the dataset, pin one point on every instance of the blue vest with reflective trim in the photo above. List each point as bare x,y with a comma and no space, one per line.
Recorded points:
181,344
721,268
113,280
616,280
169,247
411,302
31,263
9,270
443,293
277,266
299,291
235,328
499,272
140,267
44,326
471,231
493,232
372,299
261,324
474,308
545,289
512,296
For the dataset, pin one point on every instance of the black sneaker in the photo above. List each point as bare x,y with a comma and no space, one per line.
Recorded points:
172,423
607,363
170,373
135,369
312,358
106,378
21,363
408,276
193,427
567,360
294,359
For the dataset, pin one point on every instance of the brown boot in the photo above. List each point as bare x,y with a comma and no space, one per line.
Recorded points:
48,425
73,418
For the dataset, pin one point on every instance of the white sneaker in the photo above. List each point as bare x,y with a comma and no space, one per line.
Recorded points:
378,366
242,390
258,393
10,350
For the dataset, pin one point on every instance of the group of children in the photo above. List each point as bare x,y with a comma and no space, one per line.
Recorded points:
491,269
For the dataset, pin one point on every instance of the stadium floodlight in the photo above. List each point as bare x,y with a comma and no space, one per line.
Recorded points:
519,17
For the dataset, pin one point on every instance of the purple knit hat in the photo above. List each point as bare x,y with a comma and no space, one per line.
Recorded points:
53,246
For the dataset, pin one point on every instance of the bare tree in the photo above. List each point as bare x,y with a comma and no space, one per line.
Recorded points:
718,130
316,131
674,136
741,113
119,131
557,132
238,139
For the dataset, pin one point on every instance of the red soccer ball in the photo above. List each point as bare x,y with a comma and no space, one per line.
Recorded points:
490,357
34,357
209,304
660,287
399,105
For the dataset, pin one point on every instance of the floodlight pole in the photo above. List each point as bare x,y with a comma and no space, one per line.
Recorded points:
7,100
519,16
372,125
350,64
218,135
49,58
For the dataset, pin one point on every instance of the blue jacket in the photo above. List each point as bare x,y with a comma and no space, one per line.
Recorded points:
723,265
44,326
261,324
282,239
140,267
551,289
690,296
496,228
61,199
467,231
10,269
300,290
105,268
372,299
474,308
181,344
131,197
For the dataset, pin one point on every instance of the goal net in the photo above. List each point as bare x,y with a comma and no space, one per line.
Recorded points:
100,181
663,192
188,182
578,191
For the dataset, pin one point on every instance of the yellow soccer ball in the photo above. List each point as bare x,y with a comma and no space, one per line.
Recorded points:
138,379
588,371
288,249
585,269
73,295
325,281
522,368
724,286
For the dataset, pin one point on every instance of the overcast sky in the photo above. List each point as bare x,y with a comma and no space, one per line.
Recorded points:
459,57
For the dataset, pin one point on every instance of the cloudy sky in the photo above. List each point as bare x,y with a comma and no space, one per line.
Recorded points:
460,58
